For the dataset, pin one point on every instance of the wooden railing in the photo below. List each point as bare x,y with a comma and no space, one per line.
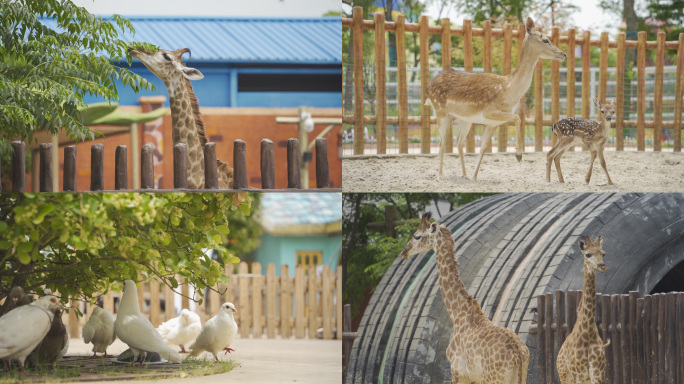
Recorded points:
571,39
646,335
180,169
267,305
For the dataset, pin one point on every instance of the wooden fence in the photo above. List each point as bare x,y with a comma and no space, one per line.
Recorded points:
571,39
646,335
266,304
179,167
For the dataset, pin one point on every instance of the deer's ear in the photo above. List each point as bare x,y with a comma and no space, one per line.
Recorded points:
613,102
529,25
597,102
192,74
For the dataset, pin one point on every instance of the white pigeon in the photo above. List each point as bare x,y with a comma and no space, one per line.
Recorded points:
181,330
99,330
134,329
23,328
218,333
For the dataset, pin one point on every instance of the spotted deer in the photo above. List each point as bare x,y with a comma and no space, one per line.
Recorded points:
486,98
593,133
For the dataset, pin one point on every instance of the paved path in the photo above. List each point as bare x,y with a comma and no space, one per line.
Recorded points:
262,361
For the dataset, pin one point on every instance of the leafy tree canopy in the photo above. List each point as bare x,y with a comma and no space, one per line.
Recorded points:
82,245
45,73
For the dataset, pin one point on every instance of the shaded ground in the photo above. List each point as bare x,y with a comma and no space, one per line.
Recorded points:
630,171
259,361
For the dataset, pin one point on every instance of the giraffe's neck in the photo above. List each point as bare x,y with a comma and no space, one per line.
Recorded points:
587,313
460,305
188,128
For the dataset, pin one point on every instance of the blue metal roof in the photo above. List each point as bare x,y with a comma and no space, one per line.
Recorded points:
287,209
243,39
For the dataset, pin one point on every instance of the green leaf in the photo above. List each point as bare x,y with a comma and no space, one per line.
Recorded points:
24,257
223,229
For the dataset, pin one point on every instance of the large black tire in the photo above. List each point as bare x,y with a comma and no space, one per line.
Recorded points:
511,248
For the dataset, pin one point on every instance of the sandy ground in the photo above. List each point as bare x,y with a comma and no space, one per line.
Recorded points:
630,172
261,361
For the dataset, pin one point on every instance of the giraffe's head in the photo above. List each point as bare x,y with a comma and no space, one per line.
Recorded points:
593,253
539,44
424,239
607,110
167,65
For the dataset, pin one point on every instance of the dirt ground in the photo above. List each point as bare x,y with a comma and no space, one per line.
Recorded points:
630,172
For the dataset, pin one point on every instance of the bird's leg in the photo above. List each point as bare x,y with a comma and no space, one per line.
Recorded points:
106,355
94,355
228,350
216,357
7,365
21,366
144,356
183,349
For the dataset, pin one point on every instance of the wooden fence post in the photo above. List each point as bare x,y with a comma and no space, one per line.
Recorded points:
425,143
520,134
293,173
620,96
243,300
555,84
322,171
358,80
541,337
210,167
679,92
603,68
267,165
641,89
69,176
487,64
658,92
271,293
538,107
169,303
180,166
446,66
338,301
121,168
19,167
312,280
146,167
257,300
347,339
468,67
300,302
97,167
285,302
380,84
327,304
45,167
155,308
239,164
402,129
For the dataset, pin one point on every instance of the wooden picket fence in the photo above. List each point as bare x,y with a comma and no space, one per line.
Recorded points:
646,335
180,169
267,305
378,26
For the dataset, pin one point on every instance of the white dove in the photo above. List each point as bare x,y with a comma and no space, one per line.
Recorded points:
218,333
15,341
134,329
99,330
182,329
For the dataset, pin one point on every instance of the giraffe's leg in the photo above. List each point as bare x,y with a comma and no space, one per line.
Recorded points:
463,129
591,161
444,125
603,164
485,139
557,159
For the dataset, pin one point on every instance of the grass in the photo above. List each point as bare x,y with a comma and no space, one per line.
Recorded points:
70,372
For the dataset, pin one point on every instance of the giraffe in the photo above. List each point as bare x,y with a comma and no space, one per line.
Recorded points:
582,357
479,351
187,123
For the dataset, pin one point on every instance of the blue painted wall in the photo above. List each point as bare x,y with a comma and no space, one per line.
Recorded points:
282,250
219,88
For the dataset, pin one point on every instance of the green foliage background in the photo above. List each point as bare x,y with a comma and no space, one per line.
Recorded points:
369,253
82,245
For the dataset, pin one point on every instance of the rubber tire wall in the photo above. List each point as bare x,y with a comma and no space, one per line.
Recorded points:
511,248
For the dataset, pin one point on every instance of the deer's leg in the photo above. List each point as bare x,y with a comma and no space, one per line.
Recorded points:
463,129
550,158
556,160
444,124
487,135
505,117
603,164
591,161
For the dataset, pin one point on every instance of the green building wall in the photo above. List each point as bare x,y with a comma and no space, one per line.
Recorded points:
281,250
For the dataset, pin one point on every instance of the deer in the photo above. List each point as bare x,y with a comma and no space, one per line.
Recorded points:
593,133
487,98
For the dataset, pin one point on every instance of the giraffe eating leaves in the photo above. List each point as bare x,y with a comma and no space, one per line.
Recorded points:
480,351
582,358
188,126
